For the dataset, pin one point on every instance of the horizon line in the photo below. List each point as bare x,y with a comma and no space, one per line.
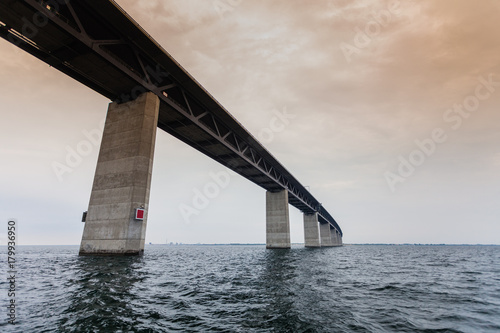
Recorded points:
263,244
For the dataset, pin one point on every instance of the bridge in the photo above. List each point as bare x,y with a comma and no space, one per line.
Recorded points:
98,44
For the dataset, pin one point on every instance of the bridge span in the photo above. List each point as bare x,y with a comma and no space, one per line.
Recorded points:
98,44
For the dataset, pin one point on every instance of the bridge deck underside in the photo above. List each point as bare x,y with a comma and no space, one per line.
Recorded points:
99,45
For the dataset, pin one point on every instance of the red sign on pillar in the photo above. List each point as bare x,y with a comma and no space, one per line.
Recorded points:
139,214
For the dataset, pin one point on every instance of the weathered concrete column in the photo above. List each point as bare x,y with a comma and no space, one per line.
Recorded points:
338,241
311,230
122,179
326,236
277,220
334,237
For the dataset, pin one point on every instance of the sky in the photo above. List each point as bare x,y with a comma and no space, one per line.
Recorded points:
392,121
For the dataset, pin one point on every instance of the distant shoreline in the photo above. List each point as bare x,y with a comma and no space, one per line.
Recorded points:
296,244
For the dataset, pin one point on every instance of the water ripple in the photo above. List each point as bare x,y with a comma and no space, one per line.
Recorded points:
251,289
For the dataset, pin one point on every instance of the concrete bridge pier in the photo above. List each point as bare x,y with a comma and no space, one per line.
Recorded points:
338,237
311,230
122,179
277,220
334,237
326,235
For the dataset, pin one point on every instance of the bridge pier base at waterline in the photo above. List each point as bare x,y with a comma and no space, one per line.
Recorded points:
277,220
336,237
326,235
115,223
311,230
